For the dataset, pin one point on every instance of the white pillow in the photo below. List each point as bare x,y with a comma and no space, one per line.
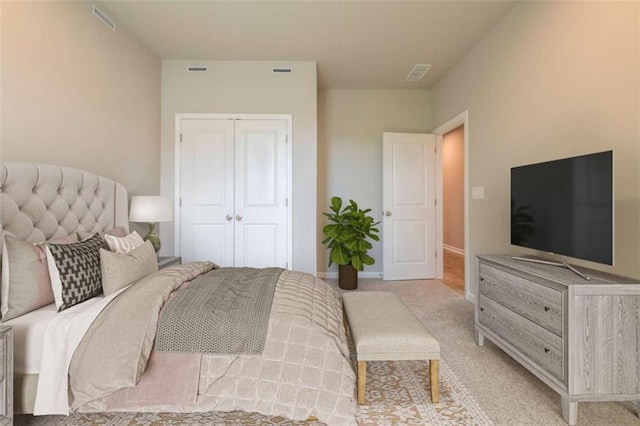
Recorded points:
125,244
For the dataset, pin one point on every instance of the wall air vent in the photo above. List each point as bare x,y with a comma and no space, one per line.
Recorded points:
104,18
418,71
280,70
197,68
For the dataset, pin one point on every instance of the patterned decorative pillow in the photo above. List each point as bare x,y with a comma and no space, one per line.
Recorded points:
120,270
125,244
75,271
26,285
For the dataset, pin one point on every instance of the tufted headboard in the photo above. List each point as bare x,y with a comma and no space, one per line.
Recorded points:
41,201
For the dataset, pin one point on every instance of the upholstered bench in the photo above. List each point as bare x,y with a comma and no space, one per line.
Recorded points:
384,329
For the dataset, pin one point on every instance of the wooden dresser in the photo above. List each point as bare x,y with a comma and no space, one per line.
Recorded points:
582,338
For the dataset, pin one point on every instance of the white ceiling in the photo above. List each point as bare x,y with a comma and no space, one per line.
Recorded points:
357,44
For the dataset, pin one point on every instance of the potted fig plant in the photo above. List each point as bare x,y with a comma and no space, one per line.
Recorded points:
348,233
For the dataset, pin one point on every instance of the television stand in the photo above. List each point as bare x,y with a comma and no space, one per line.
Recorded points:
563,264
579,337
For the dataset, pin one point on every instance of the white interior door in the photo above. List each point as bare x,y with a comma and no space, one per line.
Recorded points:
409,228
233,191
261,193
207,191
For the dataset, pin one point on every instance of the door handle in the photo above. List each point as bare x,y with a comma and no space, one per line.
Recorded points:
387,213
229,217
238,218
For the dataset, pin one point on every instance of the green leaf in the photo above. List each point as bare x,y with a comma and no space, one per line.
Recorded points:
331,230
336,204
374,237
367,260
346,237
339,255
353,244
357,262
364,245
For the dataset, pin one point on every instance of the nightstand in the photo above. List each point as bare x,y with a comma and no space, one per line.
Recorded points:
166,261
6,375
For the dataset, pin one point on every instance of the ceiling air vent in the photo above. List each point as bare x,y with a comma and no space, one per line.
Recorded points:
418,71
104,18
279,70
197,68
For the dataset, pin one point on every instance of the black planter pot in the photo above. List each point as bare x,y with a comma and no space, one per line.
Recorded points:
347,277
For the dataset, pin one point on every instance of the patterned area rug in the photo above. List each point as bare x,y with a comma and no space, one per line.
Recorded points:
397,394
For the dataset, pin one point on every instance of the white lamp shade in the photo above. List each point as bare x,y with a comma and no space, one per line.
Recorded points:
150,208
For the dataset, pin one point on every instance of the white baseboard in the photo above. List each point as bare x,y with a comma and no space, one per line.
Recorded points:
453,249
333,275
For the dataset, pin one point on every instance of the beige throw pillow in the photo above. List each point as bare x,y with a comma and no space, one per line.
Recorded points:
120,270
26,284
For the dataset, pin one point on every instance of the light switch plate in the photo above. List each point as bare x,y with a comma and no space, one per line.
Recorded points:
477,192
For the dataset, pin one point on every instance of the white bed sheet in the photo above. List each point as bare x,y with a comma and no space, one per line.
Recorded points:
28,331
60,340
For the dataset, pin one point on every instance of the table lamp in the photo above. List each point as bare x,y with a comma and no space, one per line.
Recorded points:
151,209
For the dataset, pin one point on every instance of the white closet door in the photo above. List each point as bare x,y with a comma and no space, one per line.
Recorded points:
207,191
409,230
260,193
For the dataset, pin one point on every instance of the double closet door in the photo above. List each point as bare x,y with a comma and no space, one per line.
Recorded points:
233,190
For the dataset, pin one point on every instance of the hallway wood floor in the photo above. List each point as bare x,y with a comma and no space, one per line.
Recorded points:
454,270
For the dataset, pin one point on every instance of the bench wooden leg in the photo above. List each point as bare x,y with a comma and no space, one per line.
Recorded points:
434,380
362,380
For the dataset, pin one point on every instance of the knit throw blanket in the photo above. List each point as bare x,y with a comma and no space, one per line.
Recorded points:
225,311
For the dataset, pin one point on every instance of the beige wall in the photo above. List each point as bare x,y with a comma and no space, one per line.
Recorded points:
453,188
75,93
551,80
350,127
251,88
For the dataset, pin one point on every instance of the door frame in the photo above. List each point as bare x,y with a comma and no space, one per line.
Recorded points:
178,170
458,120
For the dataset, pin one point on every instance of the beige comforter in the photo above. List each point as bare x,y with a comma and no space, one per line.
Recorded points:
304,370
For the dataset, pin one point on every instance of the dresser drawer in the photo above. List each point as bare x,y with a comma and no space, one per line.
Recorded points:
536,343
536,302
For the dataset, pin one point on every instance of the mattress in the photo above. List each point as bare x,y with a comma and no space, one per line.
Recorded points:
28,331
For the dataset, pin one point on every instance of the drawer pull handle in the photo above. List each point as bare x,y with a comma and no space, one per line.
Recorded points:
546,309
546,350
481,309
481,279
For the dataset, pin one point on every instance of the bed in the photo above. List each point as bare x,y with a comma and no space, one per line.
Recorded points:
294,362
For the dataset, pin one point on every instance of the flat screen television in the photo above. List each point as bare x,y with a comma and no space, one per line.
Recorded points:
565,207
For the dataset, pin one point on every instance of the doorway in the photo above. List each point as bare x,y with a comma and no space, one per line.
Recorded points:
459,121
453,208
